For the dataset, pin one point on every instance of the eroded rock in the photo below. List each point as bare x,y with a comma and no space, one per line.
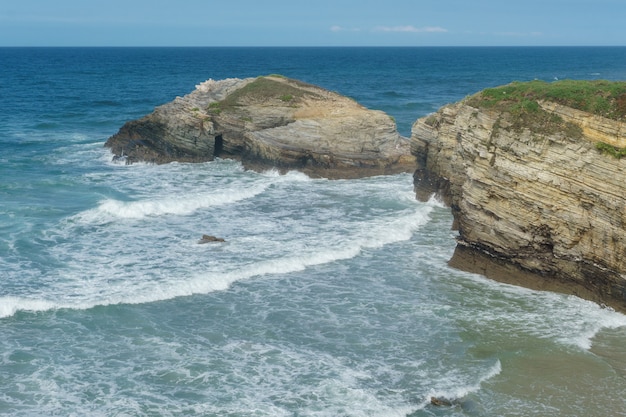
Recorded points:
540,199
268,122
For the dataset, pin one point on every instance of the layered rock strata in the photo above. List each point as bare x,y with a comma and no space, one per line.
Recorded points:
268,122
533,205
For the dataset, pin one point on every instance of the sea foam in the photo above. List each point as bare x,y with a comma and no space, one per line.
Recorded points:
458,387
185,204
11,305
577,323
143,277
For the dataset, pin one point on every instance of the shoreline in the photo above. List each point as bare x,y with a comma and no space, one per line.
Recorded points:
471,260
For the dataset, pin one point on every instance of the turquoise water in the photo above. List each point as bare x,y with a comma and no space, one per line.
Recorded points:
329,298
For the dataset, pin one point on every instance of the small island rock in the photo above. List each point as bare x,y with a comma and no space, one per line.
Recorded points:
268,122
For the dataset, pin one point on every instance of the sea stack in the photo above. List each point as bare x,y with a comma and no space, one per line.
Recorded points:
268,122
534,177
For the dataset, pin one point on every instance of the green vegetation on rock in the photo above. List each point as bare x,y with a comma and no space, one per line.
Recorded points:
603,98
521,101
215,107
611,150
266,89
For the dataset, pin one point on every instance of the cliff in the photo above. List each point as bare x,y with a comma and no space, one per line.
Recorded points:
533,175
266,122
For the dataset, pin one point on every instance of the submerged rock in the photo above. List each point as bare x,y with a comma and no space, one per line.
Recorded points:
268,122
210,239
440,402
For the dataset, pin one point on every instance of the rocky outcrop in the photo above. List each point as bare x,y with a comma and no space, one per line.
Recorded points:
535,203
210,239
268,122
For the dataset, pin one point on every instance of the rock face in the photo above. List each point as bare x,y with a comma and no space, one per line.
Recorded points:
268,122
534,205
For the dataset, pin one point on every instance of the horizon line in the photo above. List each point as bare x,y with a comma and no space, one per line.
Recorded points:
313,46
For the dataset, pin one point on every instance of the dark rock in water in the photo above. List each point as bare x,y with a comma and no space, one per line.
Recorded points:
440,402
210,239
268,122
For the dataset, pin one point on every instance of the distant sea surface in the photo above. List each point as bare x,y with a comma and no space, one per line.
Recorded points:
328,298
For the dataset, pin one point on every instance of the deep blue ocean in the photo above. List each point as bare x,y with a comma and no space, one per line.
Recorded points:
328,298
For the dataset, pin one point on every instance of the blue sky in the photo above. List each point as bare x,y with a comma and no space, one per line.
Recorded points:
311,22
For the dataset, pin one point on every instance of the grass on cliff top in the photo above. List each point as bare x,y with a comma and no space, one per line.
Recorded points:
604,98
264,90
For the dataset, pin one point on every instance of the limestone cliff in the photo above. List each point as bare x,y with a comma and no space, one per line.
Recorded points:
268,122
534,199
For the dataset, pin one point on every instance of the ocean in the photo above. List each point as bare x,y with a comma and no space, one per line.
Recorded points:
327,298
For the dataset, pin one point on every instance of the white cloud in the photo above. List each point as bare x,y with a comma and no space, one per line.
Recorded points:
411,29
337,28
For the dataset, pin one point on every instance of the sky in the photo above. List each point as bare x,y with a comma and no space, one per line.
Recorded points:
312,22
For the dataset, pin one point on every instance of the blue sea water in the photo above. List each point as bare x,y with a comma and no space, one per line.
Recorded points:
329,298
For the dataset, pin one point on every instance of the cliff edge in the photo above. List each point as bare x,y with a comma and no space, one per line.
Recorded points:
266,122
534,177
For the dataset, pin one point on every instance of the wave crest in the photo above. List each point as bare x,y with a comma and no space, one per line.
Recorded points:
111,209
120,290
